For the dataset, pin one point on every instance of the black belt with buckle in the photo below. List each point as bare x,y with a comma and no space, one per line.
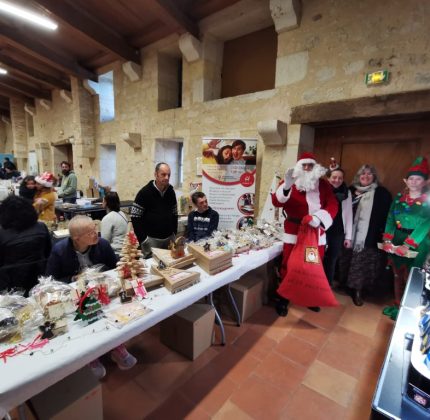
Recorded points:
408,231
294,220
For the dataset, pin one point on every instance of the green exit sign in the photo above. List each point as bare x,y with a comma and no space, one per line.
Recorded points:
377,77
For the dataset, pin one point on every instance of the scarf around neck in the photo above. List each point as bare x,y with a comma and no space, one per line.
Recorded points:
341,192
364,205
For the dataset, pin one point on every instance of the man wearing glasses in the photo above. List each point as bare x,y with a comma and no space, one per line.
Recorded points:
71,256
83,249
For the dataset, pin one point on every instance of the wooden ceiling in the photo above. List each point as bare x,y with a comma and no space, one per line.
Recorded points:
90,34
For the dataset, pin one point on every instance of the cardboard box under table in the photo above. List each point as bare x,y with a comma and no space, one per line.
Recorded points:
248,294
189,331
78,396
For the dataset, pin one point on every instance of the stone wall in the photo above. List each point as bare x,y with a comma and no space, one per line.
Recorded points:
325,59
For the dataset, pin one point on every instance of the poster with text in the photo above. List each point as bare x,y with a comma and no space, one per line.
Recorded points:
229,174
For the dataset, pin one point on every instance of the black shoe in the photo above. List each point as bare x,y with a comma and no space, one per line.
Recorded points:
314,308
356,298
282,307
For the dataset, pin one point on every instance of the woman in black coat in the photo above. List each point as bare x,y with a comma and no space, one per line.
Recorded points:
363,267
25,244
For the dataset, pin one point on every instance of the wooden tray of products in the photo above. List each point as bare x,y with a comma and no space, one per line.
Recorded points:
165,256
176,280
211,261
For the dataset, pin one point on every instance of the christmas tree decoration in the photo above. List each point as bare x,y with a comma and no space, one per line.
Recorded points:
131,265
89,308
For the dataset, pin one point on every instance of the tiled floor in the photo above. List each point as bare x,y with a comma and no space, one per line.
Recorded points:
306,366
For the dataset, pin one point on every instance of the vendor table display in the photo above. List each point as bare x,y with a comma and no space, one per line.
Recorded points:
94,210
31,365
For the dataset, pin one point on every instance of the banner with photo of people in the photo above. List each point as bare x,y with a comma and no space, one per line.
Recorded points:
229,174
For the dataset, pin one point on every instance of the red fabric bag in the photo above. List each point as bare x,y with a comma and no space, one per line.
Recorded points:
305,283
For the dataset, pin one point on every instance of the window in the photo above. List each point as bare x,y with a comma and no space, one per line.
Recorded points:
108,166
169,82
249,63
105,91
171,152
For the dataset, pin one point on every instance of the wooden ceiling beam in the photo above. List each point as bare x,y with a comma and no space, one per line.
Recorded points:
88,25
32,73
11,93
34,48
24,89
169,13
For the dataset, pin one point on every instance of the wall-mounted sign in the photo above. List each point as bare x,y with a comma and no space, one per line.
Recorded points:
377,77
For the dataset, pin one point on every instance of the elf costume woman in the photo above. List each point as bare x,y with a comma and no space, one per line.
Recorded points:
407,228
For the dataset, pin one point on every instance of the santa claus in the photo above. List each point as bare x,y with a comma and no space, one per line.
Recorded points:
304,198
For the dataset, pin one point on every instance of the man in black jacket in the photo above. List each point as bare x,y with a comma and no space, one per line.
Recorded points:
83,249
154,213
202,221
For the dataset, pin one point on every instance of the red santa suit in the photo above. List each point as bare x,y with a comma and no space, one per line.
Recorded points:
319,202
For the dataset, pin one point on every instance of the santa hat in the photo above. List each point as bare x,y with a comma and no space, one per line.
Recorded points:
306,157
46,179
419,167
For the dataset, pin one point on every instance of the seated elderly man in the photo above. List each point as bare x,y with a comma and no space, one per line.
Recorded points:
83,249
71,256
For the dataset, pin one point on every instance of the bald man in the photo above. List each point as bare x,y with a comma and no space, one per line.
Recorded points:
154,213
81,250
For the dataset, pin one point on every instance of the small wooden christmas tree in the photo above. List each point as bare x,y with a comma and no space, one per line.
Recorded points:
89,308
131,265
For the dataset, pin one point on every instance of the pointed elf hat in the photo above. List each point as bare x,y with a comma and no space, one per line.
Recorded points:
419,167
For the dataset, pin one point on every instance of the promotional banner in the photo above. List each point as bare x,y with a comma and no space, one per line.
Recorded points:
229,174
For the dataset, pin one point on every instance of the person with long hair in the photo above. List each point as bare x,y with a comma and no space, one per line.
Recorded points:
339,234
407,229
362,266
27,189
224,155
114,225
25,244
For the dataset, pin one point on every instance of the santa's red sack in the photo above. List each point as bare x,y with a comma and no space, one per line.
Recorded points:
305,283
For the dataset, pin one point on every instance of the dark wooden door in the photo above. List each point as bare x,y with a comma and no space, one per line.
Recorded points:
390,146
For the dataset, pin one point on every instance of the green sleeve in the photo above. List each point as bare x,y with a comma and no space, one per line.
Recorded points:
390,225
422,230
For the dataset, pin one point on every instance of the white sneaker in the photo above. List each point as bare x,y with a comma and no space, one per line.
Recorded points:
123,358
99,371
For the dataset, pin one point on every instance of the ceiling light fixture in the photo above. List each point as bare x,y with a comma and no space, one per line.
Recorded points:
27,15
3,71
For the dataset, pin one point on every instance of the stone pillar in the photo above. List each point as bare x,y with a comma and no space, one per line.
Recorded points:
43,151
300,139
19,131
83,121
203,73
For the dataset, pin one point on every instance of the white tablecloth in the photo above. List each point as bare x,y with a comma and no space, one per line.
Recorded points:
26,375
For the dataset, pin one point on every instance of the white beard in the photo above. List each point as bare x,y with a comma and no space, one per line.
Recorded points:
308,181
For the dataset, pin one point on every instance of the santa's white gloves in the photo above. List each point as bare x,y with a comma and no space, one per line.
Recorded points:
288,179
311,221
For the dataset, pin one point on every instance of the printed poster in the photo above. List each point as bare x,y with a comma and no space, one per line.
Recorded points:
229,174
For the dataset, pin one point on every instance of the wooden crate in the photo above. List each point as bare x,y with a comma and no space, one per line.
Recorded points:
165,256
176,280
211,261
